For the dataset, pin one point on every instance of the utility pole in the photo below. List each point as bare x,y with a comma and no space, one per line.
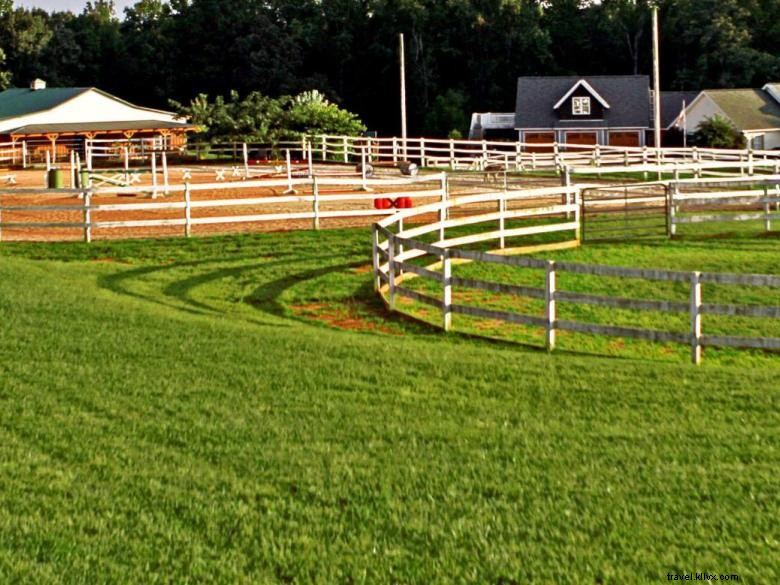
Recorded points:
656,84
403,95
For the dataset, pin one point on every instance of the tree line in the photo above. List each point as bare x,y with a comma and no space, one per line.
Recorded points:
462,55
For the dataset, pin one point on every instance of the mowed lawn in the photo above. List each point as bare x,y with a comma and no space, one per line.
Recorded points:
240,410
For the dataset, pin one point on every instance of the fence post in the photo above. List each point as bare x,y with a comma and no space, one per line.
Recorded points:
310,161
696,317
422,152
87,216
502,220
72,169
578,214
245,154
154,175
24,154
750,162
767,218
557,157
187,210
443,209
375,256
446,274
364,186
549,306
395,150
518,157
452,154
164,157
673,192
324,149
315,189
346,153
391,269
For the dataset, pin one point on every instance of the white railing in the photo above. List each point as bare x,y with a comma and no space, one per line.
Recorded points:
735,200
85,212
518,156
394,247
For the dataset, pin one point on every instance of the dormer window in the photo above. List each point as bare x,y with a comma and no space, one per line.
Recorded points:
580,106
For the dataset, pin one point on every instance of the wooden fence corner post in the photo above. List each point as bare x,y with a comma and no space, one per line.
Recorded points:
696,317
446,275
549,306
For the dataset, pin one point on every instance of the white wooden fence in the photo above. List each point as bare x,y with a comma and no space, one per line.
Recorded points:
394,247
522,157
353,194
732,198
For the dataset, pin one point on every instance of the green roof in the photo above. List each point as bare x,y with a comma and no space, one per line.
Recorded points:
81,127
20,102
748,109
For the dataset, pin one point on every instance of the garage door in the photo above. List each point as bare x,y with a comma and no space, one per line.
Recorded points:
581,138
539,138
624,138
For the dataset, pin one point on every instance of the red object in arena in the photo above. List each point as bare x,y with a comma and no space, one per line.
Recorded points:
404,203
383,203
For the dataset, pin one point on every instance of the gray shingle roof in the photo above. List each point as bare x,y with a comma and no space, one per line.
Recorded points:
627,95
671,105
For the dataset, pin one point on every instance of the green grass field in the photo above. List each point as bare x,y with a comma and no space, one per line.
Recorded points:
241,410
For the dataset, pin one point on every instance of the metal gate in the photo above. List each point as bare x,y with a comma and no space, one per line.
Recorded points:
625,212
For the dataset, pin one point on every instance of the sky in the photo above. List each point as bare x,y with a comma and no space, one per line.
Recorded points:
72,5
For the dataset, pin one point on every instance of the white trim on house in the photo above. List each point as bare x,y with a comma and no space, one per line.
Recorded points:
770,89
586,85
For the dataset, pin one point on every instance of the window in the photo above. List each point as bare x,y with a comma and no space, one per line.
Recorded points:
580,106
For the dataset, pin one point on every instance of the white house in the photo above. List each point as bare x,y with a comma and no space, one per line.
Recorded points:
754,112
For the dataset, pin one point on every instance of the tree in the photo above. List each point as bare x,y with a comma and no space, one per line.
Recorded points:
259,118
718,132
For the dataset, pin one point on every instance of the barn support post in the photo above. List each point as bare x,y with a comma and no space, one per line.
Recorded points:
187,210
696,317
549,306
48,161
446,277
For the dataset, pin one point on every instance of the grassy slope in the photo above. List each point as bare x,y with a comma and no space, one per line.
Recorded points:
164,418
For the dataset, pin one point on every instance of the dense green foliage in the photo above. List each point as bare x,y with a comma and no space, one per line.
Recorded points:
175,411
258,118
718,132
461,54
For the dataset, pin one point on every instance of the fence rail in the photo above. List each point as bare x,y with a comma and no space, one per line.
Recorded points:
394,247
